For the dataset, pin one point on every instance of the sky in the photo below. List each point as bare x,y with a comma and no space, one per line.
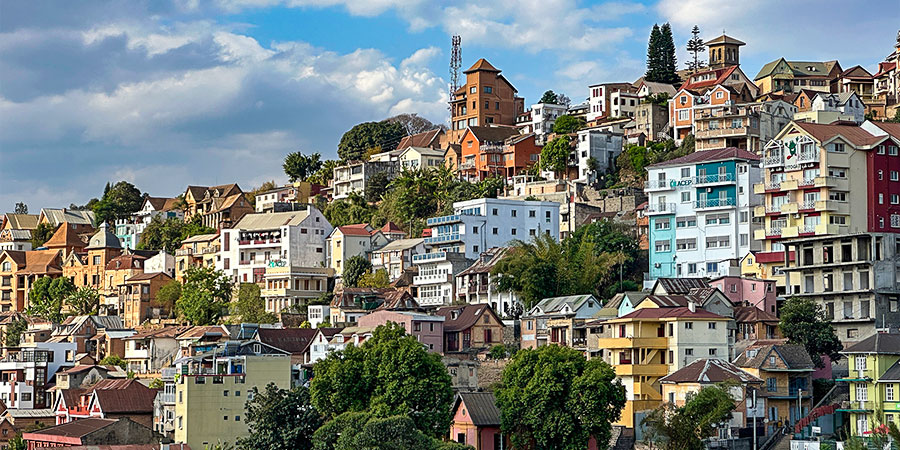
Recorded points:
168,93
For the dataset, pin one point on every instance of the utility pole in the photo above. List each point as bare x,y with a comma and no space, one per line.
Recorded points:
753,406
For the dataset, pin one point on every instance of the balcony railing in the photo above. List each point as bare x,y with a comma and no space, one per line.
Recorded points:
467,165
773,231
660,208
184,252
806,229
453,218
714,178
429,257
657,184
714,203
453,237
773,209
773,161
809,156
811,204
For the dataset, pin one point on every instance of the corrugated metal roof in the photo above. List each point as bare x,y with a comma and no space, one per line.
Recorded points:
268,221
709,371
481,407
401,244
880,343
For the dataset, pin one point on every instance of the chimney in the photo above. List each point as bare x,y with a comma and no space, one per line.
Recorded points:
692,306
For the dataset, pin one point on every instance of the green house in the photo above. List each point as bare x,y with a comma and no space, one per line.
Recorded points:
874,380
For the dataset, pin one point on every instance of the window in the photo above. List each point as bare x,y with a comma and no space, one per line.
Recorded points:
494,211
860,363
839,148
771,384
683,115
473,89
892,150
663,224
685,172
686,244
495,231
686,197
712,352
895,176
689,325
688,352
488,89
895,199
531,213
513,231
889,392
512,213
225,393
881,149
862,392
712,325
663,246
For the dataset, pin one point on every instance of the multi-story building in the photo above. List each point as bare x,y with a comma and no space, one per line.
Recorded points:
748,291
427,139
597,151
118,270
26,373
874,379
469,327
651,119
600,98
791,76
15,231
151,350
486,98
543,116
427,329
81,221
623,103
218,206
649,343
396,256
823,180
699,209
137,298
18,272
887,84
434,282
129,230
213,387
859,81
285,239
495,151
348,241
748,126
787,372
415,158
286,286
476,285
842,106
201,250
723,86
352,177
89,269
724,51
565,313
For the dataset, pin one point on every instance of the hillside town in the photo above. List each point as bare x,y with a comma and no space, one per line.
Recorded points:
699,258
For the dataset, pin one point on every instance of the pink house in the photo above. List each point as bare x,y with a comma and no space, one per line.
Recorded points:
746,291
476,421
429,330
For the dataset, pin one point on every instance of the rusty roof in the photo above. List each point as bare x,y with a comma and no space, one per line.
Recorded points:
466,316
719,154
709,371
77,429
854,134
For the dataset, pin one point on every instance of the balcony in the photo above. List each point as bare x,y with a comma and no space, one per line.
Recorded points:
808,156
714,203
717,178
727,132
285,292
442,220
658,185
437,278
773,232
166,397
821,229
654,370
660,208
632,342
184,252
444,238
492,148
773,161
429,257
468,165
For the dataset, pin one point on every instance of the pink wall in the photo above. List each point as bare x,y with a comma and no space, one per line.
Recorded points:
759,293
430,336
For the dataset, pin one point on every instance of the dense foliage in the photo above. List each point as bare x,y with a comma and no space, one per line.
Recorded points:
566,124
204,296
354,268
549,97
84,301
673,427
280,419
167,296
362,430
553,397
114,360
661,62
374,279
119,201
169,233
367,135
299,167
390,374
41,234
803,322
47,296
250,307
14,330
555,155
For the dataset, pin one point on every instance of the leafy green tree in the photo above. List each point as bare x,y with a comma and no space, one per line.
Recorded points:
323,299
17,443
549,97
14,331
119,201
157,383
376,279
47,295
364,136
553,397
346,211
555,155
324,174
280,419
167,296
114,360
685,427
299,167
359,430
324,325
354,268
389,374
250,306
659,98
84,301
376,186
566,124
41,234
803,322
21,208
168,234
204,296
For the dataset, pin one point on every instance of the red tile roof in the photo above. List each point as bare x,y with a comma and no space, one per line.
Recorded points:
668,313
359,229
720,154
853,133
721,75
391,227
482,64
77,429
424,139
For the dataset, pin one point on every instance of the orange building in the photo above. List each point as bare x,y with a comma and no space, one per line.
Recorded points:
19,270
697,91
136,297
117,271
486,98
88,268
495,151
66,239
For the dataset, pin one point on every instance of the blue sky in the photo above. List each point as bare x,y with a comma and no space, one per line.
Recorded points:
175,92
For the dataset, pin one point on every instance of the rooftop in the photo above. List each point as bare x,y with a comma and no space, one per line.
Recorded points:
705,156
709,371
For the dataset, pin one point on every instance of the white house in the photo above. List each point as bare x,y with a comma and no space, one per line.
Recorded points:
599,98
622,104
846,103
396,256
36,366
316,314
283,239
603,146
348,241
354,176
543,116
413,158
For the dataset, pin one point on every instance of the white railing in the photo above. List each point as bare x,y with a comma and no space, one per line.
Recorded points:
806,229
714,178
656,184
660,208
807,182
808,205
434,256
772,185
773,208
773,161
809,156
773,231
715,202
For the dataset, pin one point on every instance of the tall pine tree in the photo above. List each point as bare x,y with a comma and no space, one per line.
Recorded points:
695,46
667,55
654,61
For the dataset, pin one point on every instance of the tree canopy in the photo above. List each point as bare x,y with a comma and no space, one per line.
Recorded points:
803,322
47,296
553,397
41,235
362,137
168,234
363,430
374,279
167,296
21,208
250,307
354,268
549,97
661,62
280,419
684,427
119,201
413,123
84,301
566,124
14,331
299,167
555,155
204,296
695,47
390,374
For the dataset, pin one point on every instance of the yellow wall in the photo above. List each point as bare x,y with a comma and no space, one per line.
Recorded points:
200,408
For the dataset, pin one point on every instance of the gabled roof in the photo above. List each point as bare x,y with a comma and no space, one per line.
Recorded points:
708,371
65,237
655,87
753,314
122,396
840,97
162,333
125,261
197,332
884,68
892,375
878,343
392,228
756,356
293,340
673,286
485,261
147,277
161,203
482,65
724,39
423,139
359,229
36,261
22,221
492,134
466,316
798,68
480,406
856,71
201,238
556,304
269,221
75,429
73,323
104,238
72,216
401,244
720,76
669,313
854,134
706,156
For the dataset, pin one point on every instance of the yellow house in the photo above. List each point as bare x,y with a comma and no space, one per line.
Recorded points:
649,343
874,382
211,390
196,251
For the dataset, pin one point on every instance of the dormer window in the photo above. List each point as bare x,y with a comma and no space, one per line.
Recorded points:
454,315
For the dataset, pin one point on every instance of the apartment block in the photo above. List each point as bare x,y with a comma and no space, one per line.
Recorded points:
747,126
495,152
25,373
874,380
486,98
353,176
597,151
600,98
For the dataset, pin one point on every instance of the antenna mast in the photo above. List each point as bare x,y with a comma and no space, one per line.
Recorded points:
455,64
